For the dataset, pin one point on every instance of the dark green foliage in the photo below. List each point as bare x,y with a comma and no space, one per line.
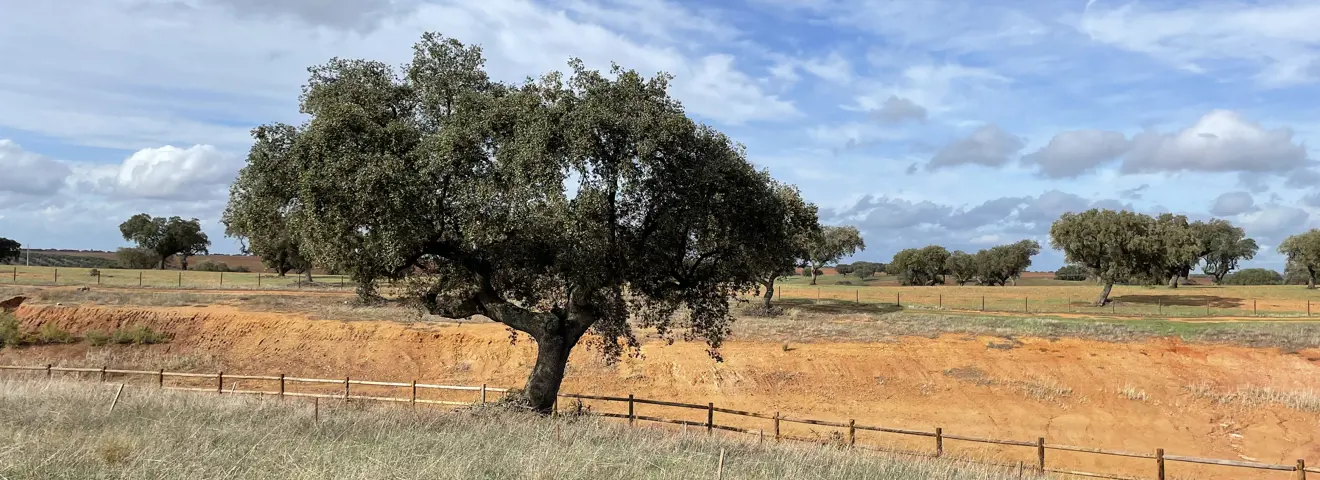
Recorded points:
843,269
166,237
867,269
1254,276
49,334
1122,246
97,338
920,266
211,266
139,335
1294,274
135,258
1071,273
1001,264
962,266
1303,251
10,250
1222,245
556,206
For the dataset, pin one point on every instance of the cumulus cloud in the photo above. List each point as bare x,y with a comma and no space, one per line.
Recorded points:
1072,153
989,145
1221,141
1233,203
1273,222
359,15
898,109
28,173
167,172
880,213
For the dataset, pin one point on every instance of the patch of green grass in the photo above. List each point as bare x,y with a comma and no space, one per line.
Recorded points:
139,335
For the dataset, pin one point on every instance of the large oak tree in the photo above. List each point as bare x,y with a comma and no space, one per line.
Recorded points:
830,245
557,206
1303,251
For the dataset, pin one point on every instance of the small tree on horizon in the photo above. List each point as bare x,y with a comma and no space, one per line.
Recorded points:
1303,252
166,237
1222,246
10,250
831,245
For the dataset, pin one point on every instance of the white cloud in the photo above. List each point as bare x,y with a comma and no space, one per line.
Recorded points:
1075,152
897,109
169,173
1278,38
1221,141
989,146
28,173
1273,222
1233,203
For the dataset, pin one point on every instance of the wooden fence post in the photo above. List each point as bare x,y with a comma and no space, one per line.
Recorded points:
852,432
281,385
898,299
57,276
982,303
483,394
413,401
48,371
1040,454
139,279
345,388
857,296
1025,308
103,374
1159,306
160,378
776,427
258,279
710,418
222,279
941,300
180,278
316,409
1207,307
15,274
1301,469
939,442
220,382
1308,308
632,415
1159,463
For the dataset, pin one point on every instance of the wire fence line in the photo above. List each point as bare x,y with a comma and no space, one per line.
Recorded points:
844,435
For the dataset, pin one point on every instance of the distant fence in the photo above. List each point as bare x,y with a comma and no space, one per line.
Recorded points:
846,437
82,276
1167,303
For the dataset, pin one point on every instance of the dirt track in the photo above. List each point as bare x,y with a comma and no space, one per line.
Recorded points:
953,382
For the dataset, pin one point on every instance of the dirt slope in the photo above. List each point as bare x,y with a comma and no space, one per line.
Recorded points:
1069,391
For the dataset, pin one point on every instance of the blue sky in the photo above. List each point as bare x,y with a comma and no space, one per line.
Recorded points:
965,124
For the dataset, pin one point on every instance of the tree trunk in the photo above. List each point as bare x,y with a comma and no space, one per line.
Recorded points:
309,275
183,262
1310,280
162,262
813,274
1104,295
769,294
551,360
1173,282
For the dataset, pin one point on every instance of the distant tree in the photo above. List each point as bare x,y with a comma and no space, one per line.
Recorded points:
832,244
962,266
865,270
1254,276
798,217
1071,273
843,269
1303,251
1113,246
579,202
1002,264
1222,246
1176,248
920,266
166,237
1294,274
136,258
10,250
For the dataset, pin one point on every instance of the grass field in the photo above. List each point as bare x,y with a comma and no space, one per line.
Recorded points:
65,430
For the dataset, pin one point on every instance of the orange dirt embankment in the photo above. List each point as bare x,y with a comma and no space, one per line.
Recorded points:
1131,397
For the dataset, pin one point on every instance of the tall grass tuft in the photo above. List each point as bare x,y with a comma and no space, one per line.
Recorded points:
63,430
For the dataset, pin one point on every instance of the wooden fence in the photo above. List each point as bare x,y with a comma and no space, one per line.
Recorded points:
1157,460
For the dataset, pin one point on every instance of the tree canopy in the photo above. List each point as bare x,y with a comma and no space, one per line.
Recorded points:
166,237
1122,246
800,221
830,245
1004,263
10,250
258,213
1222,246
556,206
920,266
962,266
1303,252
